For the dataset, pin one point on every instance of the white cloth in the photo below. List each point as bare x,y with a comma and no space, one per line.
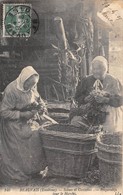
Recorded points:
114,120
26,73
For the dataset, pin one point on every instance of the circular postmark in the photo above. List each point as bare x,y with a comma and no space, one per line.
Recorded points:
20,20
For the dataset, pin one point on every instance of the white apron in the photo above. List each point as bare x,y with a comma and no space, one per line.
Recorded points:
114,119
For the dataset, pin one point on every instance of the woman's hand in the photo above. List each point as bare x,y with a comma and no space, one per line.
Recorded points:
26,115
34,112
89,98
43,110
101,99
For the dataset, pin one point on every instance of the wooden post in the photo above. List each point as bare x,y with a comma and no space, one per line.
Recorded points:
62,42
60,32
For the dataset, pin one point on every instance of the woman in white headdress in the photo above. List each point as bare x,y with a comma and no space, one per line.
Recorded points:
22,153
101,82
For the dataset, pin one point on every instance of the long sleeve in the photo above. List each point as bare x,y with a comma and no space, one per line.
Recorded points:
8,104
116,100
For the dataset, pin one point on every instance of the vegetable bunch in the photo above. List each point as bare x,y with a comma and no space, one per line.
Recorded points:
94,111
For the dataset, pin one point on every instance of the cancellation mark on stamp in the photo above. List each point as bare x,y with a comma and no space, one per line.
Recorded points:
18,21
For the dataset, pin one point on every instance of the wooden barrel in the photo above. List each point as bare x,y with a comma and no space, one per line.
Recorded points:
68,154
110,158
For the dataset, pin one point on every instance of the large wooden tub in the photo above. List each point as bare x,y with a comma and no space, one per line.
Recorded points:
68,154
110,158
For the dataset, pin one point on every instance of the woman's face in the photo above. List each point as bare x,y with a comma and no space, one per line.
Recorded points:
30,82
98,70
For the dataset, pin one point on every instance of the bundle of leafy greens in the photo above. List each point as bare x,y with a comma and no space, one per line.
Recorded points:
95,112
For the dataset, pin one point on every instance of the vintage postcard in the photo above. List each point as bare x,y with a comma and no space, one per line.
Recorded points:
61,97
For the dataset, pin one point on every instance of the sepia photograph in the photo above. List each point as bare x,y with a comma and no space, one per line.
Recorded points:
61,97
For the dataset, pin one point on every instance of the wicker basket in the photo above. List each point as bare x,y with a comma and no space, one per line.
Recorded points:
110,158
68,154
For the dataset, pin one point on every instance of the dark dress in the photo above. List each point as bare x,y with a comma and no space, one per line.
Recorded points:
86,86
113,112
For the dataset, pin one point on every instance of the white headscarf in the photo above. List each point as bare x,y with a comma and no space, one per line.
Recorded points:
101,59
110,83
26,73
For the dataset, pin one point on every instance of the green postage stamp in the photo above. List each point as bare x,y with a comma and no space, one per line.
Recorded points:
16,20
